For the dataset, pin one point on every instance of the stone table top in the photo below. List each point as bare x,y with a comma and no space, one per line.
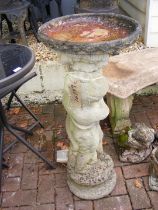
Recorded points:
130,72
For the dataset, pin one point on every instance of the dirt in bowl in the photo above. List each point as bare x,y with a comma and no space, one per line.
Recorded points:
89,31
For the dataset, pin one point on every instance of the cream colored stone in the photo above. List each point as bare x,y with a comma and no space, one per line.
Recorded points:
130,72
90,172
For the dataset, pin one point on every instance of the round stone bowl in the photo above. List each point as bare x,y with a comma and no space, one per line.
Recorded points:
130,28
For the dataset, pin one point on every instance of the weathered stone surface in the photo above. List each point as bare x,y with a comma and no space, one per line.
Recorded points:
90,172
91,48
135,156
128,73
139,144
119,112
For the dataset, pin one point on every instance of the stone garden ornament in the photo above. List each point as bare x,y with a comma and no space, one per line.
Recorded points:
83,42
139,144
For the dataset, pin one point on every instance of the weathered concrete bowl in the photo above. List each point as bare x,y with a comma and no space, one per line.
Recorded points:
113,21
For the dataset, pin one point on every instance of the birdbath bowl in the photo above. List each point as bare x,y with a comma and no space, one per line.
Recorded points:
83,43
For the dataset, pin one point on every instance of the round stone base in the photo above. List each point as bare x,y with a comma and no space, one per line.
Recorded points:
93,192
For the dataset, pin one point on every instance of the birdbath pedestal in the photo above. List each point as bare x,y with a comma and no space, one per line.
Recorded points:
83,43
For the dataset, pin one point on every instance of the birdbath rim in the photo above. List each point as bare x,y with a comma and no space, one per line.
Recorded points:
91,47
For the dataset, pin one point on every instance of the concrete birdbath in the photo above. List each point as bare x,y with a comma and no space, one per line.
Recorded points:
83,42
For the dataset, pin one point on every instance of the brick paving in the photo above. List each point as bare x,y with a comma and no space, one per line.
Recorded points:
29,184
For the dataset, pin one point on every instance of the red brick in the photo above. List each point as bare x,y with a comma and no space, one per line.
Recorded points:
120,188
109,149
49,135
59,114
27,208
137,100
47,121
15,165
44,169
11,199
64,198
154,98
61,180
60,134
132,118
113,203
83,205
139,197
29,179
48,109
137,108
76,198
11,184
46,207
19,148
30,157
46,191
137,170
146,100
154,199
149,209
152,114
142,117
11,208
146,182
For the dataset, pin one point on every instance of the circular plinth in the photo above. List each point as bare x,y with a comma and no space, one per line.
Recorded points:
93,192
96,182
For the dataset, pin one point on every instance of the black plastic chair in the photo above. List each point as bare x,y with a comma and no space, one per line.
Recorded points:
11,57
